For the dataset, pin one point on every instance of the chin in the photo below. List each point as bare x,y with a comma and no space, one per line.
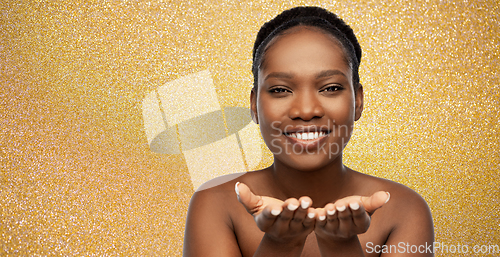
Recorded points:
310,163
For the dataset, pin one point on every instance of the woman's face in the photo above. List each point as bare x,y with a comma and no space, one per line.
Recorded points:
305,103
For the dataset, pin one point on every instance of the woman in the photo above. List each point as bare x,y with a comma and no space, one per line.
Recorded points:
306,97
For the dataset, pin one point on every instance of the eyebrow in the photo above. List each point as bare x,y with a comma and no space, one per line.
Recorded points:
329,73
319,75
279,75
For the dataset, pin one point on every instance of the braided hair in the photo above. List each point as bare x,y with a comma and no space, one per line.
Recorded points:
317,17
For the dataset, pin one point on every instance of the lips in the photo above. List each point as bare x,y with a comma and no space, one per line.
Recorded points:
307,139
307,135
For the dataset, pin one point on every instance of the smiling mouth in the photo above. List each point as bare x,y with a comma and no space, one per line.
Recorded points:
307,135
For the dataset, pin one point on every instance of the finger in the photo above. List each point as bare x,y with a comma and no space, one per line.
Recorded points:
332,221
321,217
330,212
291,205
360,218
252,202
268,217
310,219
300,214
289,208
345,219
375,201
308,212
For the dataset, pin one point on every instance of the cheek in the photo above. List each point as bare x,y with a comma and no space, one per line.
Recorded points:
270,130
271,116
269,109
341,110
270,119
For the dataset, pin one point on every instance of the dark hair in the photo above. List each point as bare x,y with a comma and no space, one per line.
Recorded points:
308,16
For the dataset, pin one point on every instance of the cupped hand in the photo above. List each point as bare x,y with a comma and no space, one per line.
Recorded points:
281,220
348,216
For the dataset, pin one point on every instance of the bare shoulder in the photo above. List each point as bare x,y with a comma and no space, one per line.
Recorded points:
404,219
209,229
220,190
404,201
210,225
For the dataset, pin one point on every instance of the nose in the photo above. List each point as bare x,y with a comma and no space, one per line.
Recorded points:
306,106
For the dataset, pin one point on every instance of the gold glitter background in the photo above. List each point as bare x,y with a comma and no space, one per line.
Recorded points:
78,177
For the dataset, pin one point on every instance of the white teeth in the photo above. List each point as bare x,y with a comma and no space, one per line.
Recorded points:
307,135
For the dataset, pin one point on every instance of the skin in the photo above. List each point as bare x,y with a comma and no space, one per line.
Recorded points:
305,84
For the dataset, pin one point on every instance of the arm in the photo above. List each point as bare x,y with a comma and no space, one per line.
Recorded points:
208,230
414,230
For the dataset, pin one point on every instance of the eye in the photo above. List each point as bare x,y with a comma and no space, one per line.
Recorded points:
279,90
332,88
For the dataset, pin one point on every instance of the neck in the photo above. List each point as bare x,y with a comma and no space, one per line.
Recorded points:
323,186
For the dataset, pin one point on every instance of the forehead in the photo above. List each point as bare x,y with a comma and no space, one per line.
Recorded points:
302,30
304,48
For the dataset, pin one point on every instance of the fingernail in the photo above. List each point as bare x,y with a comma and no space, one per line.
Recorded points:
388,197
304,204
322,217
292,207
236,189
275,212
311,215
341,208
354,206
330,212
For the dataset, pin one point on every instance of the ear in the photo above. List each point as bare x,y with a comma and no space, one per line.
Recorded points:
253,106
359,102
